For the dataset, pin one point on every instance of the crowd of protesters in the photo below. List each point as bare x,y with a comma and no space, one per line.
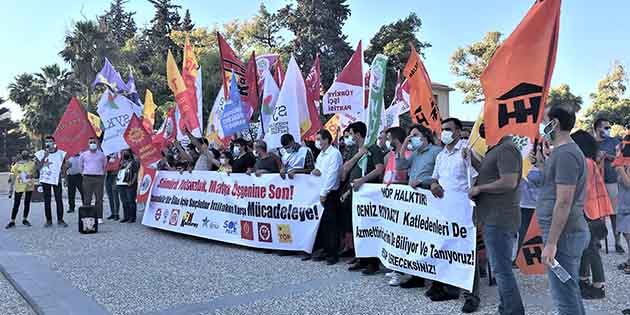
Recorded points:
565,167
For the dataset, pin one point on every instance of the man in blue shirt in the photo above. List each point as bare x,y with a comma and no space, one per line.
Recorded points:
607,151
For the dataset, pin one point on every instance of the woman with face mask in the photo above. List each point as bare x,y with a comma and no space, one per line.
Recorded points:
21,177
242,159
127,182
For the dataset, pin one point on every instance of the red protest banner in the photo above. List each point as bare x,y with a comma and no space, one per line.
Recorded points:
74,129
140,143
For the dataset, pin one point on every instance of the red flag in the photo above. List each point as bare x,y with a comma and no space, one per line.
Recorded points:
313,88
278,73
168,131
423,108
230,63
252,83
74,129
366,89
140,143
184,97
516,81
145,183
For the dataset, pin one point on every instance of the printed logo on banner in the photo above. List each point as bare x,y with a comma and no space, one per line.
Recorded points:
187,219
165,216
264,232
284,233
174,217
247,230
158,214
206,223
230,227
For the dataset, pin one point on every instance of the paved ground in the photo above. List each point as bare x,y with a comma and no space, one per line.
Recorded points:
132,269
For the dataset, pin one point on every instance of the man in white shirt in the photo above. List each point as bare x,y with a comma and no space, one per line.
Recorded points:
296,158
329,165
452,172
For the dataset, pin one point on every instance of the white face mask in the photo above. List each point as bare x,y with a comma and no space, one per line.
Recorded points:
93,146
388,145
223,161
318,145
447,137
607,133
236,151
348,141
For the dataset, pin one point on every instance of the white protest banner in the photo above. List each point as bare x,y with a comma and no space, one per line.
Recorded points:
116,112
263,212
415,233
51,166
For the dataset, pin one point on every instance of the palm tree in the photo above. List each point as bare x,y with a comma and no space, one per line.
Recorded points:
85,47
21,91
43,98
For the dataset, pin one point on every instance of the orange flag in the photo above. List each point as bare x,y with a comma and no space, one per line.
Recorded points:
529,257
516,81
423,108
189,74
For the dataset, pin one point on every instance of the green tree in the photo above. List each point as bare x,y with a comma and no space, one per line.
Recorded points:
469,63
85,49
317,27
561,95
610,100
118,23
393,40
43,98
267,28
187,23
165,20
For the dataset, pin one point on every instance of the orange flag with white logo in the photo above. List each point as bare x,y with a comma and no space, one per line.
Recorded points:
516,81
423,107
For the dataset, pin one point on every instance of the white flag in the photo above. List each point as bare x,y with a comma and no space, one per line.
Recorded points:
286,113
116,112
199,92
214,130
269,99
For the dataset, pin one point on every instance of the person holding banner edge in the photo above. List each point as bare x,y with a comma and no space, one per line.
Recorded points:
452,172
560,208
366,166
329,165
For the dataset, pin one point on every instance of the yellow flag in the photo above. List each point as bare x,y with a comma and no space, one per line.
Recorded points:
95,121
480,146
174,77
148,112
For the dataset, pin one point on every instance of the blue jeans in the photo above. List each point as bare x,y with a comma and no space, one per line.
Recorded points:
500,242
567,296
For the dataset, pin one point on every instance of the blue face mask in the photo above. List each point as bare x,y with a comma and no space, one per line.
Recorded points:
416,142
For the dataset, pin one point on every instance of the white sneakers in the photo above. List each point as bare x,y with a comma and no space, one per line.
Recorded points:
390,274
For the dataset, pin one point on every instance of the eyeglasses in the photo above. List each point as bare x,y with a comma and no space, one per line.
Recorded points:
607,128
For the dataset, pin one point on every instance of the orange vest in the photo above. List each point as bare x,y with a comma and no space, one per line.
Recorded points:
596,204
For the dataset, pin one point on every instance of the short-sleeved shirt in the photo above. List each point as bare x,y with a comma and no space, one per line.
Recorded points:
269,164
74,166
420,162
623,204
23,174
243,163
374,157
93,163
503,208
565,166
609,145
452,171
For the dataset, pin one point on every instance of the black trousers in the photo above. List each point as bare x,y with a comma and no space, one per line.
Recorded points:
75,182
57,189
17,197
128,196
329,225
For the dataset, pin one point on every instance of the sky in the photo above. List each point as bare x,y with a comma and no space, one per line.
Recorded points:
593,34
